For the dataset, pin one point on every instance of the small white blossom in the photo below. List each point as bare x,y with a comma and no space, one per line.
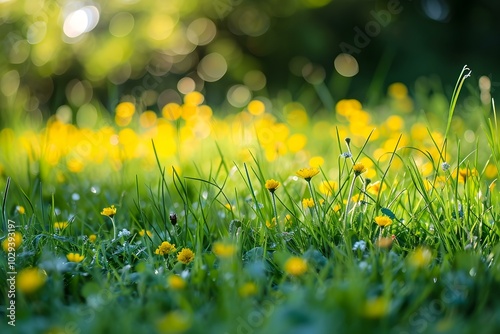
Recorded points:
346,155
445,166
123,233
361,245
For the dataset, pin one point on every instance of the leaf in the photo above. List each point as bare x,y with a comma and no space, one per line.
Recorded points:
388,213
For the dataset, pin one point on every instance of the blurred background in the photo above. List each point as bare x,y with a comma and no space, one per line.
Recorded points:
81,58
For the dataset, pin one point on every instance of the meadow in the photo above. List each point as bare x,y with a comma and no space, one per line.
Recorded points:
274,219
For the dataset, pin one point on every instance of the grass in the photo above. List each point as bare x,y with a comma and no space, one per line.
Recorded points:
309,256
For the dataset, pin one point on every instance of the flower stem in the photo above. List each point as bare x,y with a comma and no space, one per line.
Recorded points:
274,207
314,200
348,206
114,227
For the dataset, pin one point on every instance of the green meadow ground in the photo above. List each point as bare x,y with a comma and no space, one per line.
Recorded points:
384,220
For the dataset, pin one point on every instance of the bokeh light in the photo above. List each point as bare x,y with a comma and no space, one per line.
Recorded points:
346,65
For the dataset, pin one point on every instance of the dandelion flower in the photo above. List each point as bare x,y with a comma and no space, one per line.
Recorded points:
248,289
223,250
308,203
375,188
92,238
109,211
165,248
358,168
30,280
75,257
272,185
60,225
465,173
12,241
420,258
176,282
185,256
295,266
307,173
271,224
144,232
376,307
383,221
327,187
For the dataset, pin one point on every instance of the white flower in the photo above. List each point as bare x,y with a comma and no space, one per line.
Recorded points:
123,233
346,155
445,166
361,245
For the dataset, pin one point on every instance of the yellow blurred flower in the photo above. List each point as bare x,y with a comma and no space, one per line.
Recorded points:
375,188
308,203
295,266
60,225
248,289
165,248
376,307
185,256
358,168
383,221
174,322
176,282
30,280
327,187
397,90
109,211
271,224
144,232
307,173
272,185
316,161
12,240
223,250
465,173
20,209
384,242
75,257
420,258
256,107
92,238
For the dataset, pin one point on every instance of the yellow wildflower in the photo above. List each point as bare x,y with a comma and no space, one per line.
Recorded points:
272,185
420,258
327,187
109,211
375,188
223,250
144,232
383,221
12,240
295,266
358,168
376,307
185,256
75,257
92,238
307,173
30,279
60,225
165,248
176,282
308,203
465,173
248,289
272,223
174,322
20,209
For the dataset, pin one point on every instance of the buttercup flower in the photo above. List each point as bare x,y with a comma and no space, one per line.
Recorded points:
272,185
75,257
247,289
307,173
223,250
144,232
420,258
272,223
383,221
295,266
12,241
60,225
465,173
308,203
165,248
20,209
176,282
92,238
185,256
30,280
358,168
327,187
109,211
